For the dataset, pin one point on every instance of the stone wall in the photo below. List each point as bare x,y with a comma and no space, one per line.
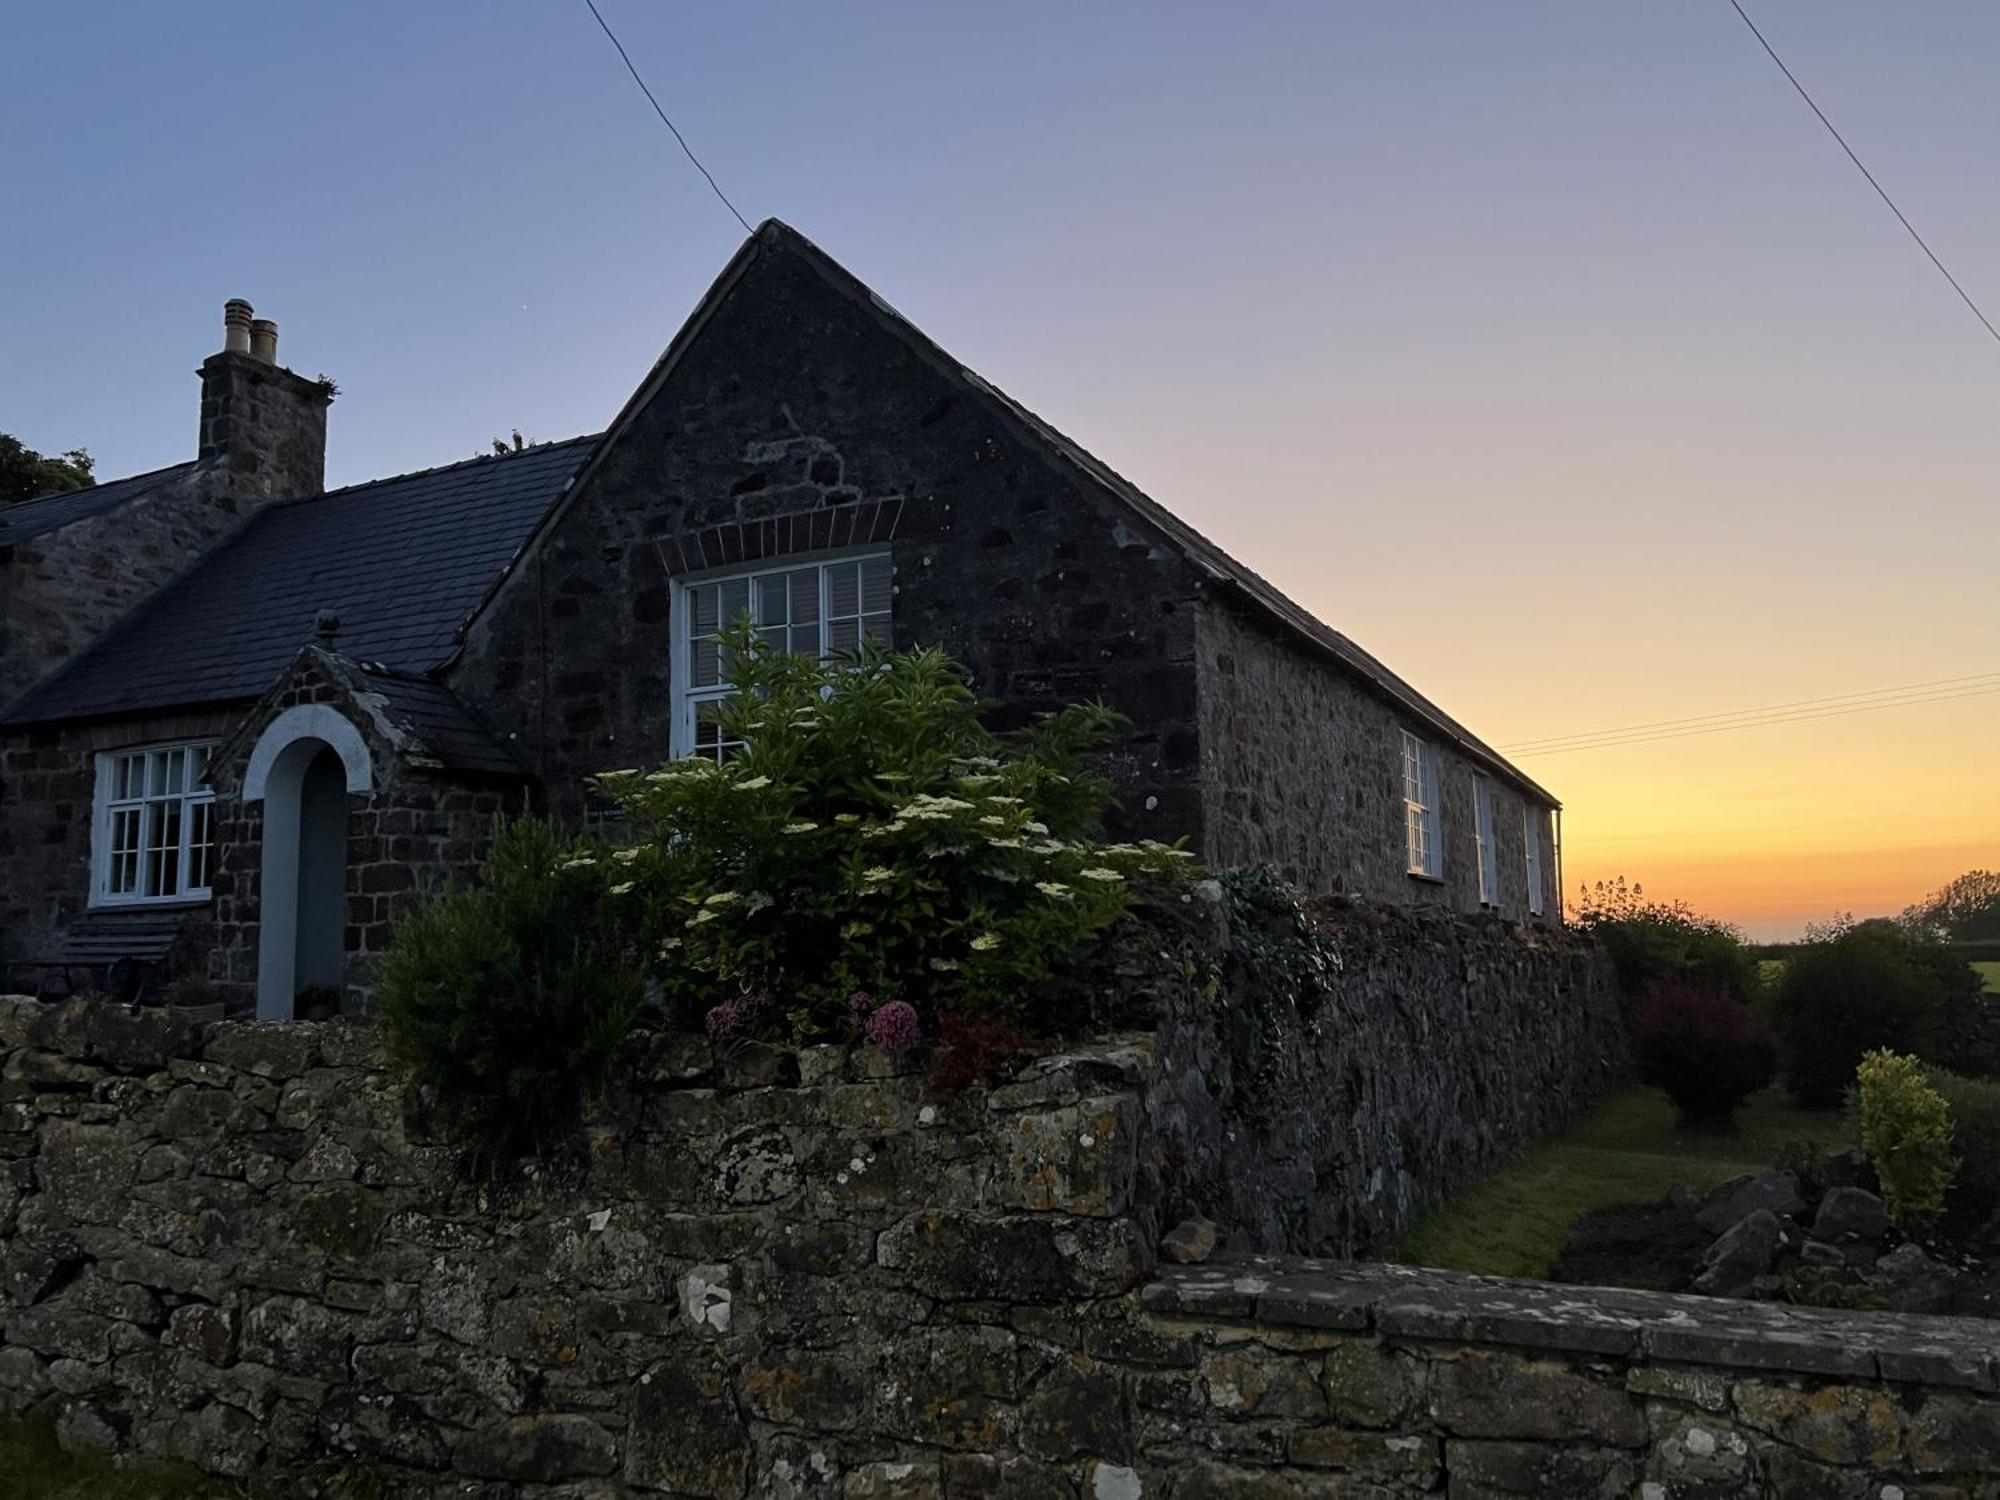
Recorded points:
1447,1046
801,1275
1302,768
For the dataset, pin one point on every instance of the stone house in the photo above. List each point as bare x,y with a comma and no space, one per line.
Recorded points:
247,719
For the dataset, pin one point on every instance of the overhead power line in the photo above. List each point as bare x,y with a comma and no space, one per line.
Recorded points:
717,187
1977,678
1944,690
1880,191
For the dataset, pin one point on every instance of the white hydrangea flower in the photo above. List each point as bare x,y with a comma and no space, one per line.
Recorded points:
1055,890
581,862
986,942
754,784
876,874
621,888
1099,872
720,898
804,825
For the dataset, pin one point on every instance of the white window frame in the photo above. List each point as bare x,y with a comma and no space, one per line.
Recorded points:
687,697
1423,827
196,802
1531,836
1488,844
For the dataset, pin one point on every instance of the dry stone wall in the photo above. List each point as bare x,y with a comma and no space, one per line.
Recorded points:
774,1274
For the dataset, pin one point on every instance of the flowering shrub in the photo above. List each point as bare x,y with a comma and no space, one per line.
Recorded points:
1705,1049
871,836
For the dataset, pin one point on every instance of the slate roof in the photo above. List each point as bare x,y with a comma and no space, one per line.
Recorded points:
401,561
45,513
442,725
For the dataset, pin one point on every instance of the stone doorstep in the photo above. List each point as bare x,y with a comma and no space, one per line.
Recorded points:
1671,1328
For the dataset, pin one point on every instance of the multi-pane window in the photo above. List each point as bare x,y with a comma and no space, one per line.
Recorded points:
1420,806
155,825
815,609
1489,860
1531,834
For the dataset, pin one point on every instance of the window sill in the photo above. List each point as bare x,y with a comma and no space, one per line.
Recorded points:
156,903
1423,879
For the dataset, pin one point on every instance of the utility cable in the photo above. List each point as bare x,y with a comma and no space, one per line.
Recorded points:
1880,191
663,116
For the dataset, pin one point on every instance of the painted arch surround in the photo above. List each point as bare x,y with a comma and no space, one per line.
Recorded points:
303,768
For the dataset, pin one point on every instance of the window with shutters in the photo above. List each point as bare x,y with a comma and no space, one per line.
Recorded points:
1420,807
1531,835
1489,853
819,608
153,834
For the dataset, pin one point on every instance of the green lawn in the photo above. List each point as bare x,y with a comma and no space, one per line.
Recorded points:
1990,972
33,1467
1630,1151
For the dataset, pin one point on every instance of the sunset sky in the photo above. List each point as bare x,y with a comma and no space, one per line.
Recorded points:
1552,350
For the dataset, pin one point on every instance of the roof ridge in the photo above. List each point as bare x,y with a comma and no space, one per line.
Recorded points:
463,463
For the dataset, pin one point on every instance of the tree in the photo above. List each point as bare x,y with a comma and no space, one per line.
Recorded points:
1966,910
24,473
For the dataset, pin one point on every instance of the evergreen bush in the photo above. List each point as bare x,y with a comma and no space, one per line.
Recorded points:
512,997
1907,1136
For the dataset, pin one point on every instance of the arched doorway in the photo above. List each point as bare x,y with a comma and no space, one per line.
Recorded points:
302,769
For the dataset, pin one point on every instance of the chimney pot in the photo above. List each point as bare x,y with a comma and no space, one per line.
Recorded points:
264,340
236,315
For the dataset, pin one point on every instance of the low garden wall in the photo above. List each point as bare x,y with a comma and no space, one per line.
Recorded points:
800,1274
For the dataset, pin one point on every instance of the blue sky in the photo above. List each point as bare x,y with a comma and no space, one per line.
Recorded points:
1549,348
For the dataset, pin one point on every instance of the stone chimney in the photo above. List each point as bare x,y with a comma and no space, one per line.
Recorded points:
263,429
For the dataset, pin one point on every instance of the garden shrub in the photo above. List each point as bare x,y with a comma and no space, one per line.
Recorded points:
1906,1133
1705,1049
1975,1121
512,997
1865,987
872,835
1651,942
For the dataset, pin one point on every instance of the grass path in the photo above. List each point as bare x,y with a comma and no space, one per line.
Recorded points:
1630,1151
33,1467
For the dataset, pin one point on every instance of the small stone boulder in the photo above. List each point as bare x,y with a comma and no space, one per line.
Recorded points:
1849,1213
1746,1251
1848,1168
1190,1242
1776,1193
1910,1281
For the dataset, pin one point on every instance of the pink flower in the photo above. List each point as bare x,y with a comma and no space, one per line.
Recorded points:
725,1019
894,1027
859,1004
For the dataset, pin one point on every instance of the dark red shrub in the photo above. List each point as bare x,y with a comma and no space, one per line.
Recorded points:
972,1049
1705,1049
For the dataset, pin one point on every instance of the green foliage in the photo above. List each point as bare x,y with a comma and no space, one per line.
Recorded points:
1827,1286
1867,986
872,835
512,998
1975,1120
1655,941
24,473
1289,960
1966,910
1906,1133
1279,973
33,1466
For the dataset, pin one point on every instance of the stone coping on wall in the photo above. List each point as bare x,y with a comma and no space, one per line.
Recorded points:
1408,1302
